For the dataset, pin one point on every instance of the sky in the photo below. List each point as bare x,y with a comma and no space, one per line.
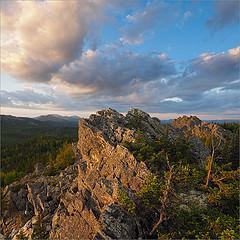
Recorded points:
168,58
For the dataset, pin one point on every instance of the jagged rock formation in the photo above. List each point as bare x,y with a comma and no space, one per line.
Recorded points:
28,205
82,201
197,132
106,166
193,126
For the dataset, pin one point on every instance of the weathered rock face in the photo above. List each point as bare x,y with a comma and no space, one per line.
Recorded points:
197,132
82,201
105,168
193,126
28,205
151,127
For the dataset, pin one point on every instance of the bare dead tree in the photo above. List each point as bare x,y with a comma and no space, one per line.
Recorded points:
165,198
216,140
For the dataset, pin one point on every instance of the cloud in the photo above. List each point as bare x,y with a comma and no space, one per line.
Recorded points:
109,78
155,13
210,82
113,72
172,99
25,98
226,13
44,41
209,71
187,15
39,37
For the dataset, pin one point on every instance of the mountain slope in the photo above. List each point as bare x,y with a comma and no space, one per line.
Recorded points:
71,120
20,129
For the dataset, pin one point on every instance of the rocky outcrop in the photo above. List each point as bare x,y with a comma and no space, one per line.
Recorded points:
93,211
193,126
28,205
82,201
149,126
198,133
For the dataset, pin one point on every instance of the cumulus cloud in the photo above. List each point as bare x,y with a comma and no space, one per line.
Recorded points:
44,41
209,83
226,13
39,37
113,73
209,71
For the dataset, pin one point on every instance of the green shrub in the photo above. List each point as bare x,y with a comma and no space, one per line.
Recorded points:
150,193
9,177
126,201
156,153
219,219
64,158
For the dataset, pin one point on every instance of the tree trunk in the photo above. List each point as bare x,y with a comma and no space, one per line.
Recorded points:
165,200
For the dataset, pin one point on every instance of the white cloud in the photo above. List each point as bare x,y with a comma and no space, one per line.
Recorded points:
45,35
172,99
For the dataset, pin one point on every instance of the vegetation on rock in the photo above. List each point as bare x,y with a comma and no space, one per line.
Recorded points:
212,211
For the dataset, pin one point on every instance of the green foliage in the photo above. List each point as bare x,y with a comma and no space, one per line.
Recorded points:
64,158
150,193
230,151
219,218
224,194
156,153
126,201
188,176
9,177
20,159
199,223
233,127
229,234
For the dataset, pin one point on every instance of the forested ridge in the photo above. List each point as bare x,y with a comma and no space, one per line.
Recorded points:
26,142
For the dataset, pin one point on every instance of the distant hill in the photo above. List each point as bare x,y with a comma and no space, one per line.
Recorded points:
18,129
55,118
223,121
168,121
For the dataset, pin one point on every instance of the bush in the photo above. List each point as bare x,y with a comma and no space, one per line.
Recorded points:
150,193
218,219
156,153
64,158
126,201
9,177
